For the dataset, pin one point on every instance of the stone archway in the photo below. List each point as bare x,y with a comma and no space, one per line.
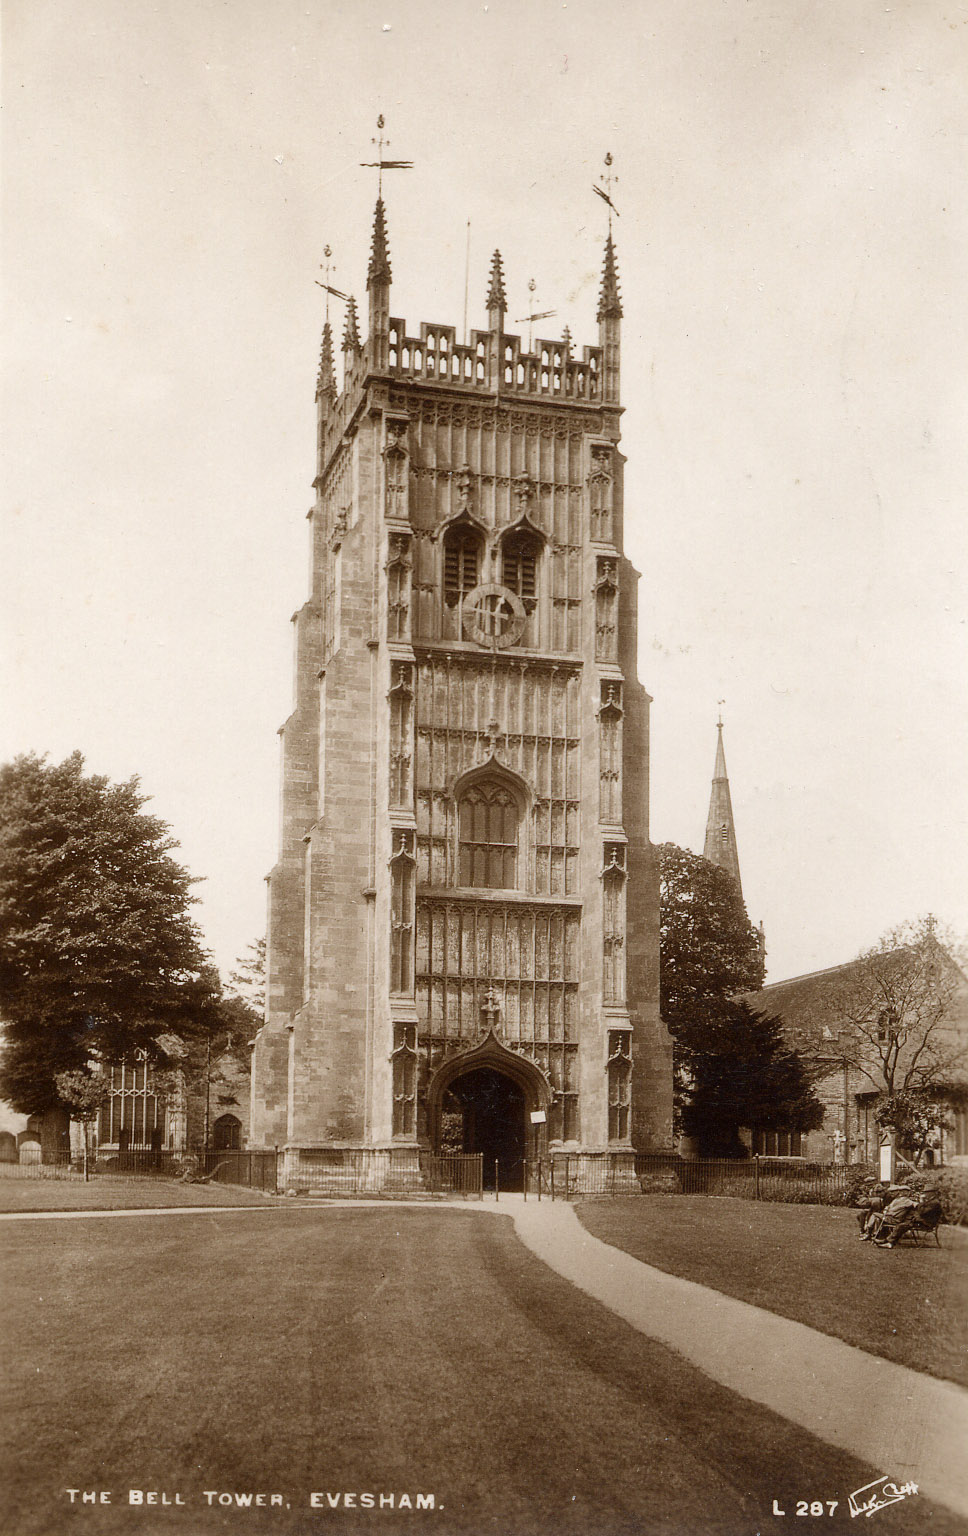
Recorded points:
492,1093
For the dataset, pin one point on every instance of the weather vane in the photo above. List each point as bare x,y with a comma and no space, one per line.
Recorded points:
380,165
719,722
605,190
325,267
533,315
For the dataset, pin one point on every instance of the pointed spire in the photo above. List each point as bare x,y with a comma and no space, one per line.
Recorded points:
496,297
326,378
609,299
351,331
379,268
720,845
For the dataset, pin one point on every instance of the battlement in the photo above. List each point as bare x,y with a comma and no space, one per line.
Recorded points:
436,356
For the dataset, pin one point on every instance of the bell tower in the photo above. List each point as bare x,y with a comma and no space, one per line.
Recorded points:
464,911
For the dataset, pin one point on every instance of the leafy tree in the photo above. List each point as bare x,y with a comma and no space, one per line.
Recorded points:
708,948
739,1071
891,1013
99,955
732,1066
248,981
917,1119
82,1094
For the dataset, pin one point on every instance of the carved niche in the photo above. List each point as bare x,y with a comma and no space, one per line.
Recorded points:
400,697
606,609
619,1069
610,754
398,567
613,924
402,870
404,1059
396,469
600,494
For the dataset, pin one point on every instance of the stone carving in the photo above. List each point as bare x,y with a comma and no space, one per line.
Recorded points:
606,610
493,616
600,494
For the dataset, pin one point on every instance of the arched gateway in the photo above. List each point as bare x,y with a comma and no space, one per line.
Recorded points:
482,1100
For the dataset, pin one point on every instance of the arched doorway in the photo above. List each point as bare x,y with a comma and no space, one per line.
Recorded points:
491,1112
486,1099
227,1133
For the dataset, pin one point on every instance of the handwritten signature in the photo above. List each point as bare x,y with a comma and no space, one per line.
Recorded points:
878,1495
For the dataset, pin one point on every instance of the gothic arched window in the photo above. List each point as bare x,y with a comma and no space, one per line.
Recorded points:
519,566
462,563
488,822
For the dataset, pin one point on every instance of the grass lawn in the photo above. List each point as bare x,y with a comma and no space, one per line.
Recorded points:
381,1351
804,1261
121,1192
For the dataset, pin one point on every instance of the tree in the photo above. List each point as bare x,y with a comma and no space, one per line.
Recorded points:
708,948
739,1071
731,1065
82,1094
248,981
916,1118
99,955
891,1017
892,1013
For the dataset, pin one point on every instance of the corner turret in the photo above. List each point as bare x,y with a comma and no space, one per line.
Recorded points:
378,287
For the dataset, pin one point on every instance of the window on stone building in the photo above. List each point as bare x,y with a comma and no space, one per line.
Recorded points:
886,1025
777,1143
462,563
227,1133
134,1113
519,566
488,816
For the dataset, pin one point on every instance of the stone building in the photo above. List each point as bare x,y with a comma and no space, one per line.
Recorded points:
842,1023
463,919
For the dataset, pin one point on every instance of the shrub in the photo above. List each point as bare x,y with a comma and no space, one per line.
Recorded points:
952,1186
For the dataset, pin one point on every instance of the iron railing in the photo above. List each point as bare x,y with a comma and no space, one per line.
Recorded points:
335,1171
253,1170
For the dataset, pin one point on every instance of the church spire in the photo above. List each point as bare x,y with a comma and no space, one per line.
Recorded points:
326,378
720,845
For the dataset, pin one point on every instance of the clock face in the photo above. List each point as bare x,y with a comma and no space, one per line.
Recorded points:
493,615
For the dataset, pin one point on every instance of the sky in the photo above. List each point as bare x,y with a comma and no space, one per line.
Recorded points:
793,215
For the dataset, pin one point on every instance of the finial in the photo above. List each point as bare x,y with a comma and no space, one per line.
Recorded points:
378,271
533,314
566,341
325,266
719,722
379,164
605,190
609,299
326,378
351,333
496,297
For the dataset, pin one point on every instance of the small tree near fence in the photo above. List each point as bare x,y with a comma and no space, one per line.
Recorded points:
82,1094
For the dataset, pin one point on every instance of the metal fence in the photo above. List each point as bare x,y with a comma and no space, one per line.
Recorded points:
377,1171
253,1170
141,1162
792,1180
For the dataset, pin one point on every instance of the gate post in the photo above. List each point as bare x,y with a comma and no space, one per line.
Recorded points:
756,1175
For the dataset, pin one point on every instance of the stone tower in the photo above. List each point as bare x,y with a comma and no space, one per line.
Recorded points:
720,845
463,920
